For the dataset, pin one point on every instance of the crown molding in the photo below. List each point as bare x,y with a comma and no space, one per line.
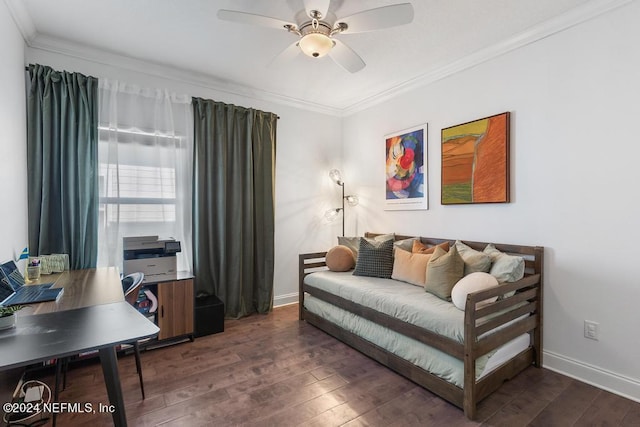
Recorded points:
22,19
92,54
554,25
76,50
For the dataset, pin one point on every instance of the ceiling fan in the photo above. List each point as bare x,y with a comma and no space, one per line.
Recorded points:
316,28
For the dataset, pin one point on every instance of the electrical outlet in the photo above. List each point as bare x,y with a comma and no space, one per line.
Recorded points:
591,330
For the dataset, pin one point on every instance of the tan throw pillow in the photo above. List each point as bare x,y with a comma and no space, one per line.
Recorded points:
444,269
421,248
409,267
340,258
473,260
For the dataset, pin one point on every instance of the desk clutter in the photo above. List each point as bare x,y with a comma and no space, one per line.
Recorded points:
46,264
147,303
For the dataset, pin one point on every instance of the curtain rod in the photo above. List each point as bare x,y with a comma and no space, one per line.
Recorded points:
26,68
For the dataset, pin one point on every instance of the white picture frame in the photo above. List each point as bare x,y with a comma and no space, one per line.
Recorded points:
406,177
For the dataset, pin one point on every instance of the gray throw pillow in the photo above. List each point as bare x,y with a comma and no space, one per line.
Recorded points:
473,260
406,244
505,268
375,259
353,243
350,242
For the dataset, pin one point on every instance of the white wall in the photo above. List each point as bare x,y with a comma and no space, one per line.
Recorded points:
574,99
13,149
308,145
574,102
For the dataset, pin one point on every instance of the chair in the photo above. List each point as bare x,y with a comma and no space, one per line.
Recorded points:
130,287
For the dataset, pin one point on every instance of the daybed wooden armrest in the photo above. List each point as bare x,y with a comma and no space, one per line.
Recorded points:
307,264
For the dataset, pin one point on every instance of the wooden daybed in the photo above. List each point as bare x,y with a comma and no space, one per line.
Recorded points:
518,314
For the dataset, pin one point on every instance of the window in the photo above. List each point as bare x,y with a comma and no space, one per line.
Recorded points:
131,193
145,156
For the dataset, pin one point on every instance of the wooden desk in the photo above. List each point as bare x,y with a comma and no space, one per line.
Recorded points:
82,288
83,319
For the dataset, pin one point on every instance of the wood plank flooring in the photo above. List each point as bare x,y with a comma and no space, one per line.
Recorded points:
276,371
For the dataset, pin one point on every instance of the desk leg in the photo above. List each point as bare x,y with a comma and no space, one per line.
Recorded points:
109,362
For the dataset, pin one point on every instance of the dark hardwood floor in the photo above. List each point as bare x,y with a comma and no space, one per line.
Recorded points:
276,371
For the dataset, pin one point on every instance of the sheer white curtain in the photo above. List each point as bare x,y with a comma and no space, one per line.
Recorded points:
146,163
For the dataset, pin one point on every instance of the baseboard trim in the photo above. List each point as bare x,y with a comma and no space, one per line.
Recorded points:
594,375
286,299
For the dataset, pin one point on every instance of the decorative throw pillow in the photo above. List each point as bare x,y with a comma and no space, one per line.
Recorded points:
421,248
474,282
350,242
340,258
353,243
504,267
375,259
406,244
444,269
409,267
473,260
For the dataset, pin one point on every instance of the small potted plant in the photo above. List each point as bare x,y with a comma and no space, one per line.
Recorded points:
8,316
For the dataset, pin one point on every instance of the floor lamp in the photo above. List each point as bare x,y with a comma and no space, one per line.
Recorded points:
352,200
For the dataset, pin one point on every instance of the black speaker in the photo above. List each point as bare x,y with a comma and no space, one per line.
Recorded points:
209,316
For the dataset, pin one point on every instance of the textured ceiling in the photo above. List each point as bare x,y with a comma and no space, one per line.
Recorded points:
186,34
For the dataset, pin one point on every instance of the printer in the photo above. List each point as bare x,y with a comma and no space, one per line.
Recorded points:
154,257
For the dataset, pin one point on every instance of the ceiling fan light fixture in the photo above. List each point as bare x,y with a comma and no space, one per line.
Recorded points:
316,45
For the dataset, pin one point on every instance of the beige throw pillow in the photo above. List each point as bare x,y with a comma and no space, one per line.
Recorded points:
409,267
444,269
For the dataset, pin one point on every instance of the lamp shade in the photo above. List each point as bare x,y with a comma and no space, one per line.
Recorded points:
315,45
335,176
352,200
332,214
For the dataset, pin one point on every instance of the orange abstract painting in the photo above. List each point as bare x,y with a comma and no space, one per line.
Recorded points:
475,161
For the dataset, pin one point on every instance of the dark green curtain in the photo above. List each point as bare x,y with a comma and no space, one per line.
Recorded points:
233,205
62,165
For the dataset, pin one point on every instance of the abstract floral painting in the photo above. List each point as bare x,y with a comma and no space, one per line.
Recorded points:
475,161
406,169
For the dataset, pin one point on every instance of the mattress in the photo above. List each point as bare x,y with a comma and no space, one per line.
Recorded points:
397,299
428,358
410,304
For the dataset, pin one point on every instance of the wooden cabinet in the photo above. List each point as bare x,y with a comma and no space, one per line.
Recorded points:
175,308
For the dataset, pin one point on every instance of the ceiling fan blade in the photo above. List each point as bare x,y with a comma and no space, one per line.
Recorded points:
344,56
322,6
379,18
286,55
252,19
